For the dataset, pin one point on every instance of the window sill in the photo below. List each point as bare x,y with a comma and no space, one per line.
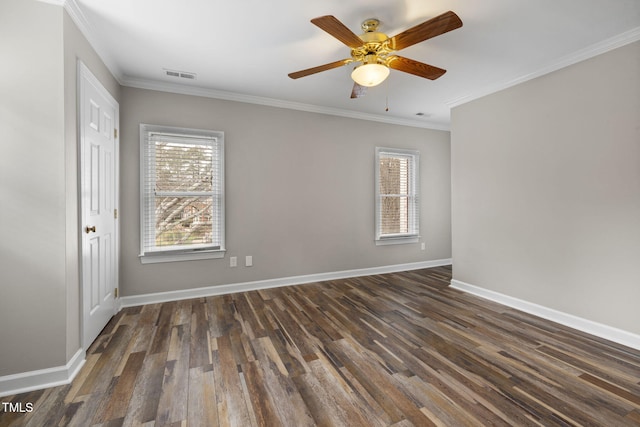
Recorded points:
182,256
397,240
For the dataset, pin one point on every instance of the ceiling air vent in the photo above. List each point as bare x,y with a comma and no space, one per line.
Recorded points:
180,74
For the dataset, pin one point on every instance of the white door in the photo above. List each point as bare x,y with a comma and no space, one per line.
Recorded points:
98,126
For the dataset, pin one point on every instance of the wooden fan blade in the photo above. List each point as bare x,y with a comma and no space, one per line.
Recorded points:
337,29
325,67
358,91
433,27
416,68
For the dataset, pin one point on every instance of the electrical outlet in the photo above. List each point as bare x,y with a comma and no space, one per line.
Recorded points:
233,261
422,246
248,261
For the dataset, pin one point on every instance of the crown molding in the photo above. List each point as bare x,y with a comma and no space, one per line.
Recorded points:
74,11
272,102
599,48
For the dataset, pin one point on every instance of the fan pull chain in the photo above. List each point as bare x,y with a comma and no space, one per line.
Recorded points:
386,88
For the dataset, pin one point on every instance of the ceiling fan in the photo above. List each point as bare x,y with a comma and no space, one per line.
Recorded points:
375,50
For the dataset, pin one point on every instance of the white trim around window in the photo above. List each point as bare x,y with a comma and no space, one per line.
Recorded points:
397,196
182,210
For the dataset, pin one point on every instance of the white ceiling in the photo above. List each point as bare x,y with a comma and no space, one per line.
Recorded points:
244,49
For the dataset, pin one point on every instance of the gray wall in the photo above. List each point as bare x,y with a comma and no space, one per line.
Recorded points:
546,190
39,305
32,187
299,192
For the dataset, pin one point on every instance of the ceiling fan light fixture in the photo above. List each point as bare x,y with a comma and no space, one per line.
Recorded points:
370,75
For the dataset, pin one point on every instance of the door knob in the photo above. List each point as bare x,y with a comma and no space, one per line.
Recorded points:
88,229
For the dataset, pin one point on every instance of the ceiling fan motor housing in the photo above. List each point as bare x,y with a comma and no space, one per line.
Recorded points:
374,48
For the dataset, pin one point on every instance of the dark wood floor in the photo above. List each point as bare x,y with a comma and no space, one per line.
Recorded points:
396,349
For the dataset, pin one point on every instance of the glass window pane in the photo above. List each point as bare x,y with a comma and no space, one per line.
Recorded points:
394,216
183,167
394,175
184,221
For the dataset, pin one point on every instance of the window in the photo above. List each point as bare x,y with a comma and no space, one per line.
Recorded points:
397,216
182,194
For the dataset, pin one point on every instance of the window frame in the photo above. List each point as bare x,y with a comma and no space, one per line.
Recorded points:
413,234
196,252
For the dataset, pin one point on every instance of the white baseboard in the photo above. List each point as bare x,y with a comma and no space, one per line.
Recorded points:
594,328
42,378
135,300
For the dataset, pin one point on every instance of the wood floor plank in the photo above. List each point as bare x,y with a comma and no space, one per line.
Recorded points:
145,398
378,383
329,402
263,405
53,408
199,353
280,387
163,328
233,409
175,392
633,397
119,399
103,370
202,411
400,349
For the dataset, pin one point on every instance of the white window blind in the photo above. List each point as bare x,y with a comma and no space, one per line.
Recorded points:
397,204
182,192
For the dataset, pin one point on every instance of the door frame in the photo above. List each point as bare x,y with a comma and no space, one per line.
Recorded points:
83,74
